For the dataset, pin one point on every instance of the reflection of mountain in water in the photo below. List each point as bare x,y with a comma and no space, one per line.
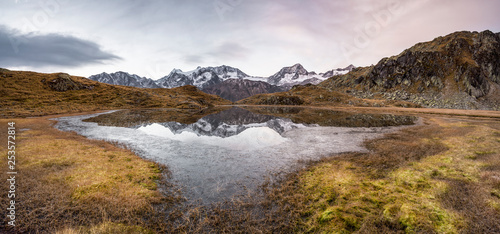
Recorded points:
140,117
226,121
232,122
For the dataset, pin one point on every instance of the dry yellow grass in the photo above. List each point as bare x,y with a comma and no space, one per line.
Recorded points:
104,228
65,180
441,178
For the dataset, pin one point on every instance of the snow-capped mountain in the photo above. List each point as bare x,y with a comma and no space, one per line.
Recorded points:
295,73
298,75
212,80
227,72
201,77
123,78
338,71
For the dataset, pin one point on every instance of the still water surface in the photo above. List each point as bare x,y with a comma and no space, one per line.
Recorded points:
214,154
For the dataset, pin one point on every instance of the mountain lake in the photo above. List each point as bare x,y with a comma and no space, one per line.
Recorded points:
213,155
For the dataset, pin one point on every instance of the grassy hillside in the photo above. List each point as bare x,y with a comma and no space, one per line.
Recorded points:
35,94
318,96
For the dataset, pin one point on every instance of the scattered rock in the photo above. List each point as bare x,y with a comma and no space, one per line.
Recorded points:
63,83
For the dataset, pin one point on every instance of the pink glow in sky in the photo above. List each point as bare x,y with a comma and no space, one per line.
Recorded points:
150,38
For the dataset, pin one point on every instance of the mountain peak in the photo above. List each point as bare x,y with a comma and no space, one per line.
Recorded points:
201,76
292,75
175,70
350,67
297,67
122,72
338,71
124,78
453,41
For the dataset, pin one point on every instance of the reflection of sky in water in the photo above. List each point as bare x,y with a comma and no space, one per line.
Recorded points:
250,138
214,165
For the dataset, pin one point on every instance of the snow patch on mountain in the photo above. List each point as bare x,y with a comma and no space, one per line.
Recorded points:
124,78
338,71
297,74
203,77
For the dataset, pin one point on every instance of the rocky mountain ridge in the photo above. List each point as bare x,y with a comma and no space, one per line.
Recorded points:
460,71
124,78
338,71
228,82
203,77
298,75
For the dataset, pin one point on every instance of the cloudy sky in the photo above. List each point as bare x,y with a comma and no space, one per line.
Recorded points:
151,37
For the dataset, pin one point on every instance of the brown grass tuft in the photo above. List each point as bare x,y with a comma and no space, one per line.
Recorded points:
470,201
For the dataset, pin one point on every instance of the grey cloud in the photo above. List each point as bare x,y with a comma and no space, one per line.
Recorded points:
194,59
229,50
222,54
35,50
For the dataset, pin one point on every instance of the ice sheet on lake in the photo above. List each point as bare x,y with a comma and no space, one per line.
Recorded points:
212,168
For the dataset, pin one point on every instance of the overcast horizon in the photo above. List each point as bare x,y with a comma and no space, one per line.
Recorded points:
260,37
